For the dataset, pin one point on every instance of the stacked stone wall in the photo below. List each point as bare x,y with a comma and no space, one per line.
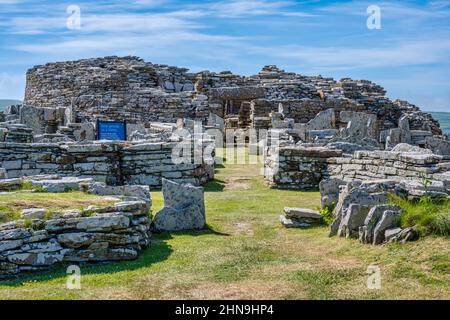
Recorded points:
114,163
114,233
297,167
373,165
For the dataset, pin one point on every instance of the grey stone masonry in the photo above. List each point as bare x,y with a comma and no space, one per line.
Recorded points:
296,167
114,163
129,88
118,232
398,166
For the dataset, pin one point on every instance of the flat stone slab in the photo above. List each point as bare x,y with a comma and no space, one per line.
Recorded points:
301,213
290,223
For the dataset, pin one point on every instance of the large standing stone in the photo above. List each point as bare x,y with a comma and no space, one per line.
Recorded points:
354,219
389,220
329,191
366,233
184,208
355,196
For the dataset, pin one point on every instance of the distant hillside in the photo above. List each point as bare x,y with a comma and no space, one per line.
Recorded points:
444,120
5,102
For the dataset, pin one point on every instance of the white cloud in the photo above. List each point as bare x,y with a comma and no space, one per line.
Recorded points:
340,58
392,9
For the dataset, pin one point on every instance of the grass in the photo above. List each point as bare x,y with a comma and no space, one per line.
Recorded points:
427,216
246,254
13,202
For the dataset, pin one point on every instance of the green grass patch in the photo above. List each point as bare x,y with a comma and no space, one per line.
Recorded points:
246,254
12,203
430,217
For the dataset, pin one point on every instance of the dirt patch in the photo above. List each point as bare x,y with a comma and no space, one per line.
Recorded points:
245,290
238,184
243,228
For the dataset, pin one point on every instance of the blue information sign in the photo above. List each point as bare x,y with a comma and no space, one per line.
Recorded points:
111,130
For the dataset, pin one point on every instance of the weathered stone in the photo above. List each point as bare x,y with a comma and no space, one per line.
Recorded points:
10,244
389,220
100,255
400,235
291,223
37,236
83,131
353,219
142,192
41,247
15,234
361,128
62,184
329,191
104,223
35,259
404,147
75,240
350,196
299,213
107,222
184,208
439,145
10,184
33,213
373,218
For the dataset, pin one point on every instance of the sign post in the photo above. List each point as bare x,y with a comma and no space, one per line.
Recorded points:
111,130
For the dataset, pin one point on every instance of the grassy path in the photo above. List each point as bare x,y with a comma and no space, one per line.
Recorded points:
246,254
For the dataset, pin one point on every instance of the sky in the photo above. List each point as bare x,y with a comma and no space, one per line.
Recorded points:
409,54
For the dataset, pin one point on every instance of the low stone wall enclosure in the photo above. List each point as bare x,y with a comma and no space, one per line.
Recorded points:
115,163
298,167
36,242
41,238
398,166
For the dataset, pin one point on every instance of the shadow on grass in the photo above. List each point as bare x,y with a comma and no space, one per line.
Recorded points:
215,186
312,190
158,251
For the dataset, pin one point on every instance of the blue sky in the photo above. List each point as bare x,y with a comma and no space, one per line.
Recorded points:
409,55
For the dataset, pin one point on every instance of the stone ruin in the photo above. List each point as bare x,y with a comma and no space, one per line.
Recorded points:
313,131
40,239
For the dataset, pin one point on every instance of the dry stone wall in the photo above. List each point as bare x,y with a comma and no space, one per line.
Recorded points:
116,88
114,233
397,166
297,167
114,163
129,88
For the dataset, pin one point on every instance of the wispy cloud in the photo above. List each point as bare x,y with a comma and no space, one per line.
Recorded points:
400,55
246,8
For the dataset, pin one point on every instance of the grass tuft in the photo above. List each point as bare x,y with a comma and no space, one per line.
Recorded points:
428,216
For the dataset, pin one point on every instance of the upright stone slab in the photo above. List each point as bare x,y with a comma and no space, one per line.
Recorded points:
184,208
